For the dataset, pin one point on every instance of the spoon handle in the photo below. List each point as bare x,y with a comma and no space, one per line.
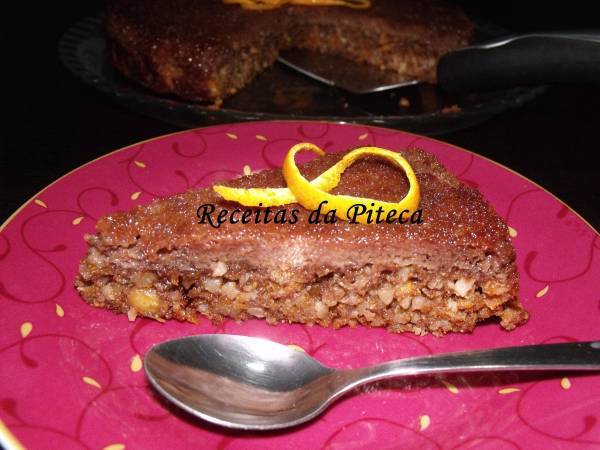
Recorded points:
570,356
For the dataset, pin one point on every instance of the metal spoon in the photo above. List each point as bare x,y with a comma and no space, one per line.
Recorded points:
256,384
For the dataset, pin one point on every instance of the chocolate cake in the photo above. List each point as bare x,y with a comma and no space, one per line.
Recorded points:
207,50
449,272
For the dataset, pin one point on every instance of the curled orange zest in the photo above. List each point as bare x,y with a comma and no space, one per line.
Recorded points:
311,194
311,197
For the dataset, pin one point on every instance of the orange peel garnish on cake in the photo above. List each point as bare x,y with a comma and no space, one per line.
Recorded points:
272,4
315,194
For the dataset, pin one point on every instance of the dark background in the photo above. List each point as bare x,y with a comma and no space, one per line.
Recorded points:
52,123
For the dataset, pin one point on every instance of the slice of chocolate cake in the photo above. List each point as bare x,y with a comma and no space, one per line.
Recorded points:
208,50
449,272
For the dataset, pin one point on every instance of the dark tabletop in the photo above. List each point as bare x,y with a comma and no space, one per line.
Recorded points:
52,123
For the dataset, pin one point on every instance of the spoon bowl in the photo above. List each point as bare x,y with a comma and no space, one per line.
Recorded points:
256,384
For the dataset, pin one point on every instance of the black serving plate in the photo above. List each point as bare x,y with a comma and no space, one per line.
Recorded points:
280,93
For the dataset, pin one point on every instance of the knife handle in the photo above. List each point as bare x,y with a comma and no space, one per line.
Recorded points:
529,59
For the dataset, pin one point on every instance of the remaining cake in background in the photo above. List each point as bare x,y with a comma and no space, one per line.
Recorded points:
207,50
446,274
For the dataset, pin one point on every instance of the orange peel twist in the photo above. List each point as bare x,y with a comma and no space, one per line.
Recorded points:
272,4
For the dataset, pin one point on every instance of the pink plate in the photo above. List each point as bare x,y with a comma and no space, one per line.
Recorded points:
71,378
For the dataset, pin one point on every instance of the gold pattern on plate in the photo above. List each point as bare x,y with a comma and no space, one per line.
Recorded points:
362,137
565,383
60,312
424,422
38,202
136,363
452,388
26,328
508,391
247,170
91,382
260,137
542,291
136,195
140,164
512,232
77,220
231,136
